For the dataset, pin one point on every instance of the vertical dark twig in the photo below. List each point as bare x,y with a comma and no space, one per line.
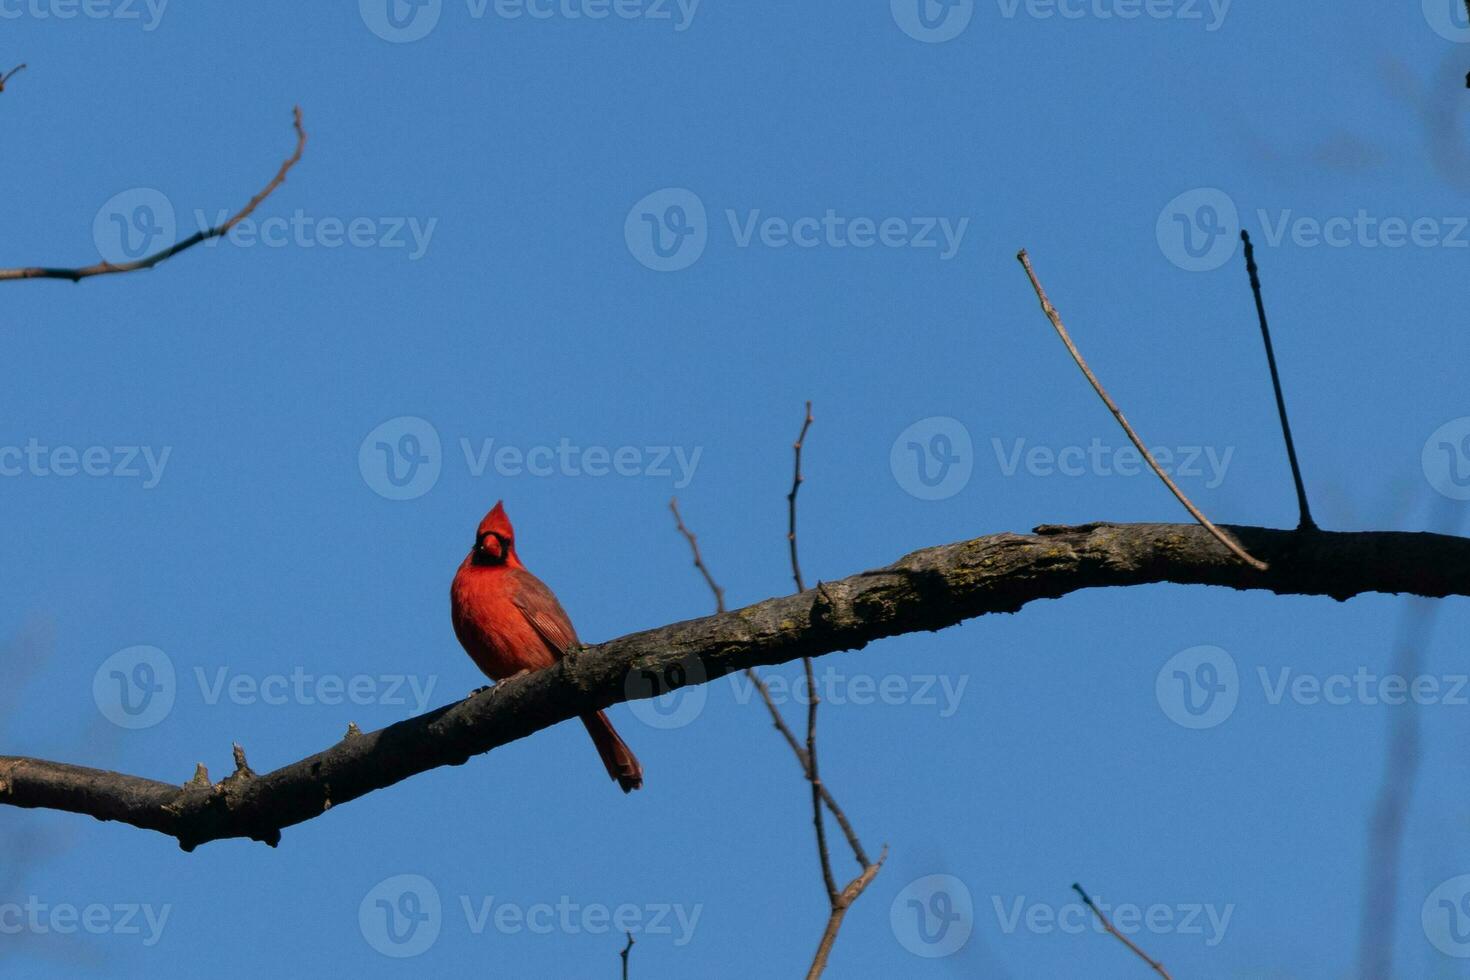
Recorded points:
765,692
1086,898
1097,386
1305,523
839,901
812,774
791,499
624,954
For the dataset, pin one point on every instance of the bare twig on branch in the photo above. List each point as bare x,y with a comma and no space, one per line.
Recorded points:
1305,523
698,558
812,700
838,901
765,692
791,499
8,75
924,591
105,268
1158,967
1056,321
624,954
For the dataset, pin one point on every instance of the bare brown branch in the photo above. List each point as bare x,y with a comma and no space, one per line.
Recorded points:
108,268
924,591
8,75
698,558
1157,966
1056,321
765,692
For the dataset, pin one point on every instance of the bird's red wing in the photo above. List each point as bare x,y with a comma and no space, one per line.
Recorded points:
538,604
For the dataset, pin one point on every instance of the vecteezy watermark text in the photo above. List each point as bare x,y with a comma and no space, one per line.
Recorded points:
148,12
1200,687
837,688
95,918
1074,918
137,687
1097,459
669,229
122,462
402,916
402,459
1199,230
402,21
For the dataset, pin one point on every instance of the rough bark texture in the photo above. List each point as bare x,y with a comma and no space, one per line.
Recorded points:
927,590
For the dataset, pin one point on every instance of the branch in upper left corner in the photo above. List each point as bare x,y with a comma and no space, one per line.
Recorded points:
106,268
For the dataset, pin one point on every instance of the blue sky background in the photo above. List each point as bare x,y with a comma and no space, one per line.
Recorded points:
265,547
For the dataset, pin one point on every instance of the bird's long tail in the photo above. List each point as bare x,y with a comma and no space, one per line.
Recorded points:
621,763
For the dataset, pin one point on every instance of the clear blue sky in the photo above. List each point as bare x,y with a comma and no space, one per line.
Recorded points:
534,156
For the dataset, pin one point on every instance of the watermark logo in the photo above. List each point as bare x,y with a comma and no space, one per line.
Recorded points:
670,696
401,459
134,224
400,21
401,916
1449,18
933,458
668,230
1199,229
1446,917
932,21
933,916
135,688
1199,687
1446,459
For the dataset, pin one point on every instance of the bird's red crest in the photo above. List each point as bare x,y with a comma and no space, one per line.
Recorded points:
497,521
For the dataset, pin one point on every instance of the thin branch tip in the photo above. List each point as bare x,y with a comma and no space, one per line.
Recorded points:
1056,321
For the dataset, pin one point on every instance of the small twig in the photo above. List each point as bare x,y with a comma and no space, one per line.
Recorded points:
791,499
1158,967
107,268
624,954
839,901
812,774
1056,321
7,76
769,701
1306,523
839,912
698,559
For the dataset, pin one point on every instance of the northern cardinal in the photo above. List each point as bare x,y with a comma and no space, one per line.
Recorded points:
510,623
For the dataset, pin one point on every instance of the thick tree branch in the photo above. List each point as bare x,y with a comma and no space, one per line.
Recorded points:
927,590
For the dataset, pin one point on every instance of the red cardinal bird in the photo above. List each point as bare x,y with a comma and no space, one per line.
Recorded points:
510,623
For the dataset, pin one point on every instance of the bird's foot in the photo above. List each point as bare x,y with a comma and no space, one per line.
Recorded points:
496,686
